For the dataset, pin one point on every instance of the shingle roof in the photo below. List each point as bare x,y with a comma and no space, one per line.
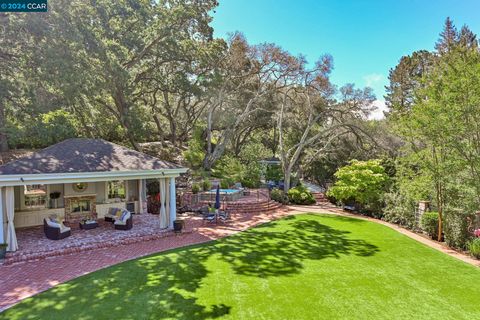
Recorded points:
84,155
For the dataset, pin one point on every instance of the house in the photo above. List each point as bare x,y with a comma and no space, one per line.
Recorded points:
80,178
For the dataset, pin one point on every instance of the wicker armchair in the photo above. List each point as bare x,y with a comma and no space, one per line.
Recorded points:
55,230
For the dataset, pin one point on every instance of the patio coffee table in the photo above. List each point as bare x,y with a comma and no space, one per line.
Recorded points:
88,226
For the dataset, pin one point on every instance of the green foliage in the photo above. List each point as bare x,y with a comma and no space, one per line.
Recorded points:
253,151
456,228
273,173
229,167
361,181
195,188
300,195
251,176
153,187
206,185
474,247
399,209
279,196
429,223
234,170
46,129
225,184
195,153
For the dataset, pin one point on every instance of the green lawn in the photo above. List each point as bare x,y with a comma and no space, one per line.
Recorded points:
301,267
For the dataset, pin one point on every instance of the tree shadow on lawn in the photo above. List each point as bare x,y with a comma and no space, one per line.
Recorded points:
163,286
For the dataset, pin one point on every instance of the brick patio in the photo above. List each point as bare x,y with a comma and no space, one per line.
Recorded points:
34,245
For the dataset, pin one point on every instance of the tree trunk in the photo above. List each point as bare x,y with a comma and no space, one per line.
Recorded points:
286,180
3,133
440,212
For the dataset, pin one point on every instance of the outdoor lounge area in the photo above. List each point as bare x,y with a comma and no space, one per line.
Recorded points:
34,244
59,198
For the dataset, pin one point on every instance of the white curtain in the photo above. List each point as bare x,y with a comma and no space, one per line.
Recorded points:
163,214
3,221
173,202
10,207
142,197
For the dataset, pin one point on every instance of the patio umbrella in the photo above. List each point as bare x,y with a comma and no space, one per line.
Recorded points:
217,198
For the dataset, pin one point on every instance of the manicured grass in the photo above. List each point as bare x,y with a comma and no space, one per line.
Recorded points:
301,267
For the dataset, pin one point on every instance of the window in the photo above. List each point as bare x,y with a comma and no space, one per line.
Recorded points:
35,196
116,189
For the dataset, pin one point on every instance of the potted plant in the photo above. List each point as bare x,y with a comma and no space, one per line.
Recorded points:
178,226
3,250
54,196
195,188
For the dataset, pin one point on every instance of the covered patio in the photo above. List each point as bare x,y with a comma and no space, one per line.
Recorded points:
78,180
34,244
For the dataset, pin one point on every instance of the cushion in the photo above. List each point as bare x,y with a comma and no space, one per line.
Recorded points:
123,217
120,222
118,213
64,228
53,224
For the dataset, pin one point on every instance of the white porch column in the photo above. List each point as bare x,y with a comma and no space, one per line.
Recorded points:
10,208
173,202
167,201
163,214
2,234
142,196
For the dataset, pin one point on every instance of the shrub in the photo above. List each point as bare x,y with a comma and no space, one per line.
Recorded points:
206,185
429,223
456,228
279,196
232,169
474,247
363,182
224,184
251,177
399,209
300,195
273,173
195,188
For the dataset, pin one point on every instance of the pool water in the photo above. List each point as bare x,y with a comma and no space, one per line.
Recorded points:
225,191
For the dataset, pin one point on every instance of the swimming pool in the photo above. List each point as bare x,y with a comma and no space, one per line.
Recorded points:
225,195
225,191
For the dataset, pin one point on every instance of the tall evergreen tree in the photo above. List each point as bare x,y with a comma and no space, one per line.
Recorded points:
448,37
467,38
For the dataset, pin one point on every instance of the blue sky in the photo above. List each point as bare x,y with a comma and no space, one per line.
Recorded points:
365,37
